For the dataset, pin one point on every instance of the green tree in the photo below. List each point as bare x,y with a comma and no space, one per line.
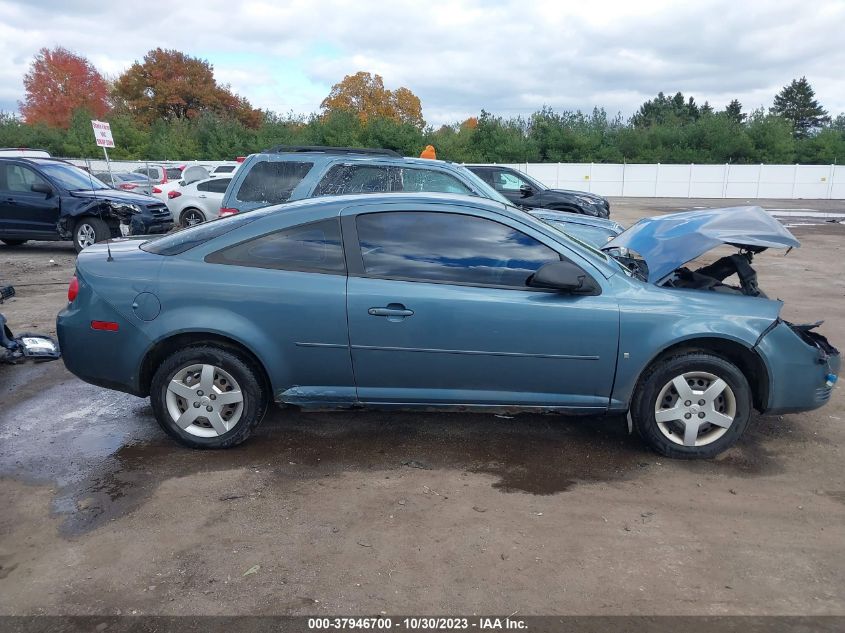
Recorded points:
797,104
734,111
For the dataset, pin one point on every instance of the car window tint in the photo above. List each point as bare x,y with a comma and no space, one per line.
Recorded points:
313,247
507,181
224,169
344,179
20,179
272,182
448,248
174,173
218,185
431,180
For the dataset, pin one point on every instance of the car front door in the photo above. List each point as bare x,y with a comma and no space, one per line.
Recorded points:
439,313
22,210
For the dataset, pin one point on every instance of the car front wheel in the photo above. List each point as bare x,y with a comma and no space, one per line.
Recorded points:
693,405
208,397
88,231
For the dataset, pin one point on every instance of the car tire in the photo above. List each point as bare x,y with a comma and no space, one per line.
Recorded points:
191,216
190,411
14,242
88,230
695,422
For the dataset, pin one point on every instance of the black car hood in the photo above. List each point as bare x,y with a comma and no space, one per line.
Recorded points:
579,194
113,195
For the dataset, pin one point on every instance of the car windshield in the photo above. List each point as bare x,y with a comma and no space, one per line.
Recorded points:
486,190
71,177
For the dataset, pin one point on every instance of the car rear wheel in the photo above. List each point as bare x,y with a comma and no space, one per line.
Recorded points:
13,242
692,405
208,397
88,231
191,216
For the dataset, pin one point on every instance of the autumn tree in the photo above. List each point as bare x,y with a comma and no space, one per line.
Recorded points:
797,104
59,82
365,95
171,85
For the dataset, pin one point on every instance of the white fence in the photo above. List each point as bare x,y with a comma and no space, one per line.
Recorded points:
693,181
650,180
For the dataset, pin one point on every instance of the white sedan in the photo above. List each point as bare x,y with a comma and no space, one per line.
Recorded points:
197,202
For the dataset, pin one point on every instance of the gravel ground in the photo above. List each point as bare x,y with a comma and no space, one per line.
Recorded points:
368,512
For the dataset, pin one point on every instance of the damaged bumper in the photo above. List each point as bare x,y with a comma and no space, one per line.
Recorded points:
803,368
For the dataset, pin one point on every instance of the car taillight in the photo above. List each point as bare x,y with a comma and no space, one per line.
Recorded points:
156,190
173,194
227,211
127,186
72,289
240,159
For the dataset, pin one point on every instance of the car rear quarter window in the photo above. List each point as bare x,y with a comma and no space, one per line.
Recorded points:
312,247
218,185
174,173
272,182
346,179
431,180
448,248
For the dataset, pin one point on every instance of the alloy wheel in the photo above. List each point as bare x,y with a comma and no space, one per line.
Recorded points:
192,217
85,235
695,409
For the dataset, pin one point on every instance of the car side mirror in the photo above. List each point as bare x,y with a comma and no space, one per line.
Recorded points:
564,276
40,187
526,190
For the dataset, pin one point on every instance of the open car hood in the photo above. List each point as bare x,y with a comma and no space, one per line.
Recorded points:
668,242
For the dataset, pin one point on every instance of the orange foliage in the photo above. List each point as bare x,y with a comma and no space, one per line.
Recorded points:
365,94
59,82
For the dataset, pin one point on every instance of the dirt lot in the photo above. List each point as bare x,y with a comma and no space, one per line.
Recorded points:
338,513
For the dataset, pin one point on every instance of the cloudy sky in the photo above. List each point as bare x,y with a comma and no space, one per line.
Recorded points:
506,56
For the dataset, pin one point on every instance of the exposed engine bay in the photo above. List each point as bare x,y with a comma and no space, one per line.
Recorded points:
713,276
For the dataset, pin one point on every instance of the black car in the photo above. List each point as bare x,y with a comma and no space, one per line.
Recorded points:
524,191
50,199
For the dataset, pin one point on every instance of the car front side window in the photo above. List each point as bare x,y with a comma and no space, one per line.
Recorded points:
507,181
345,179
448,248
430,180
20,179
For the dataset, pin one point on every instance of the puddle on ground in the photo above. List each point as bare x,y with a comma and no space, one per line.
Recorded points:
107,455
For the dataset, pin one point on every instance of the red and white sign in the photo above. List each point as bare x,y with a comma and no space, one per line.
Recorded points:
102,133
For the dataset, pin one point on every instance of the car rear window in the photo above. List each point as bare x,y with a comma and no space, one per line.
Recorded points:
174,173
191,237
272,182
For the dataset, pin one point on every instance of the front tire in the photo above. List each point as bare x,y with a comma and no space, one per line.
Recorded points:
14,242
208,397
692,406
88,231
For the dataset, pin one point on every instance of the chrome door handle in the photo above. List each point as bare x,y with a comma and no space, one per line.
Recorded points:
202,196
391,311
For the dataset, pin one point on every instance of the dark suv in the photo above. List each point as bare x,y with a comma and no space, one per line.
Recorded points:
522,190
284,173
50,199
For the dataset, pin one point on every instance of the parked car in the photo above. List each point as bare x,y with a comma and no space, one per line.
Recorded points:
24,347
23,152
50,199
127,181
160,174
287,173
525,191
190,174
445,301
594,231
197,202
224,170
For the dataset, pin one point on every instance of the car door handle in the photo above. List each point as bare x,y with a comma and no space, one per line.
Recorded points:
393,310
202,196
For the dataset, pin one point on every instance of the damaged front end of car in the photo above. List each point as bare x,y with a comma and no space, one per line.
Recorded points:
25,347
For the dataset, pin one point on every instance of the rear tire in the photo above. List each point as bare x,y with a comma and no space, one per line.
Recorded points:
88,230
14,242
191,216
692,405
208,397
